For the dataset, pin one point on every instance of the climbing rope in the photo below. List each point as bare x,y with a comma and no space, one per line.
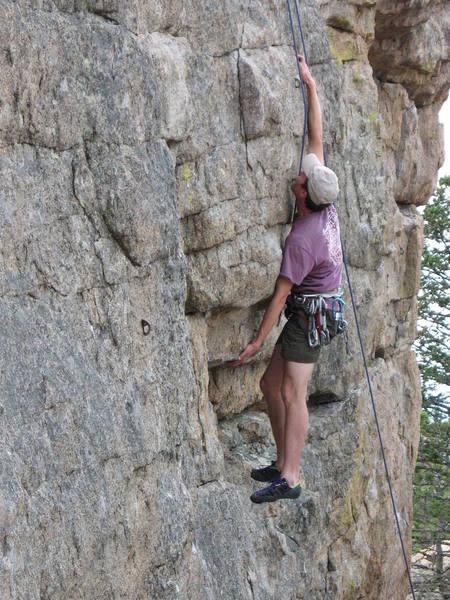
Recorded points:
294,37
302,85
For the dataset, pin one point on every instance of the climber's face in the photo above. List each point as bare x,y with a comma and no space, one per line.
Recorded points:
299,188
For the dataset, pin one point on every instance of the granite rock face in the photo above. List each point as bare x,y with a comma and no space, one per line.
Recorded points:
146,150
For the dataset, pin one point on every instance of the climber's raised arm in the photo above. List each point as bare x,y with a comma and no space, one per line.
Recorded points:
315,139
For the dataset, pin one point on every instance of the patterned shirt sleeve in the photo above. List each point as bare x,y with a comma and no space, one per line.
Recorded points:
297,263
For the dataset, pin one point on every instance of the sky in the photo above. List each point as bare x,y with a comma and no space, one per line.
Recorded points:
444,117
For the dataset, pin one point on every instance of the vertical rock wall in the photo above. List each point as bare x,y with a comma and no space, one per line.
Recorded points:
146,149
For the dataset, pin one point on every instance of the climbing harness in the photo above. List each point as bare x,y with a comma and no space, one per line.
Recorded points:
294,37
319,322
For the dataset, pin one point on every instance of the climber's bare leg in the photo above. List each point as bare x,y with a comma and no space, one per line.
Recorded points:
271,388
293,394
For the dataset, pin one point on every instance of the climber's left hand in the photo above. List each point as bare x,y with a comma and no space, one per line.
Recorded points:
251,349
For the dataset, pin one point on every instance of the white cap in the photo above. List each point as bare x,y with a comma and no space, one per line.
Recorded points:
322,184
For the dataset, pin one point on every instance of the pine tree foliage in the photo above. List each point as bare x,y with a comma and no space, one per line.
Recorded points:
431,534
433,342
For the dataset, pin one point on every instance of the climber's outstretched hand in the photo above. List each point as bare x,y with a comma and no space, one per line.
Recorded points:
249,351
304,69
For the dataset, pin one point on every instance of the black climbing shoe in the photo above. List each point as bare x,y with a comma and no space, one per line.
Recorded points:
277,490
266,473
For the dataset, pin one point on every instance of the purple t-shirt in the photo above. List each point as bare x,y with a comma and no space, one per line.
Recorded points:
312,254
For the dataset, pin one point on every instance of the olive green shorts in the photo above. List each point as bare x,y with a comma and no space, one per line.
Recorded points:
294,343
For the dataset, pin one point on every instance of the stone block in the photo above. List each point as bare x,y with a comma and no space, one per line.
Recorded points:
135,192
65,79
267,89
219,276
167,61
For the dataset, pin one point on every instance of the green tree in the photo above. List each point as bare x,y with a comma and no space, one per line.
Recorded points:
434,303
431,478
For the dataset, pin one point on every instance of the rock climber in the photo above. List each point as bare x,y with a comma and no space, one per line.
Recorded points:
309,281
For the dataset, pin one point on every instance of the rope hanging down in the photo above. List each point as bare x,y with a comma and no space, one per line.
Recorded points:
305,126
